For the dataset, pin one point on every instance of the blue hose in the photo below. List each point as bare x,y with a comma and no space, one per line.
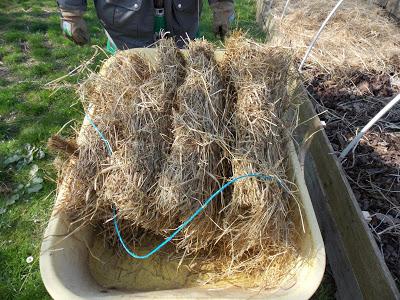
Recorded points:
106,143
191,218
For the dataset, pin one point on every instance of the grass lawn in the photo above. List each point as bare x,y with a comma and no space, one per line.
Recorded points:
32,53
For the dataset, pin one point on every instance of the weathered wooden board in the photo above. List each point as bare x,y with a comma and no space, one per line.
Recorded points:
392,6
347,286
356,262
263,9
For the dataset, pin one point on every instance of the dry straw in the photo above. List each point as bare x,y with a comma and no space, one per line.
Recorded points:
359,36
83,173
144,142
193,170
258,224
109,93
179,129
132,103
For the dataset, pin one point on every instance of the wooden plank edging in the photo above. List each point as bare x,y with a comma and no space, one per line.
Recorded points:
357,264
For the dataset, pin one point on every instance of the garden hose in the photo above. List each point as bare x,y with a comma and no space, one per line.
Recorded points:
260,176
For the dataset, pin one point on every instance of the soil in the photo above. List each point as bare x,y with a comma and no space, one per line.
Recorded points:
373,169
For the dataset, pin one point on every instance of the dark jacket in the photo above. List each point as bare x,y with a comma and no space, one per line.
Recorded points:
131,22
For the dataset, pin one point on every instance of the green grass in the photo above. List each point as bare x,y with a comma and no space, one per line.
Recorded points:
32,53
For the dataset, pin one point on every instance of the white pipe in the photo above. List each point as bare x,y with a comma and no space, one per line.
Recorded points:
375,119
285,8
318,34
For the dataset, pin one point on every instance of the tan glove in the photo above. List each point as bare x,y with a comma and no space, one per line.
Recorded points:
223,15
74,27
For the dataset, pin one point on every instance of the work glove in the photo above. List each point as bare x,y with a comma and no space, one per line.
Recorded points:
74,27
223,15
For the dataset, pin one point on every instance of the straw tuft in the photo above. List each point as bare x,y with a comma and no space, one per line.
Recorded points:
177,130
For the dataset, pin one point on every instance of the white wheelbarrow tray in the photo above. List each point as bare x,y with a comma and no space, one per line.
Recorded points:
65,271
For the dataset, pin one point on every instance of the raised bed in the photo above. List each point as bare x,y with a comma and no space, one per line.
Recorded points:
356,261
356,201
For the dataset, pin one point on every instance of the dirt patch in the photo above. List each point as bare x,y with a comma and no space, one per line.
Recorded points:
24,45
8,125
5,74
373,169
5,188
3,70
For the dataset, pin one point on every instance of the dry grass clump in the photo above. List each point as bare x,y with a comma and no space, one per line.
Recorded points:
145,142
62,146
179,129
359,36
257,223
112,91
193,169
133,109
109,93
83,171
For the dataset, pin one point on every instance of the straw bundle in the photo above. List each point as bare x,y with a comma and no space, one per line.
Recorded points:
83,172
145,142
109,93
112,90
178,130
193,169
257,224
133,106
359,36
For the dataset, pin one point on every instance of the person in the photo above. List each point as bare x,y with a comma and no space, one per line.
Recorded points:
131,23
